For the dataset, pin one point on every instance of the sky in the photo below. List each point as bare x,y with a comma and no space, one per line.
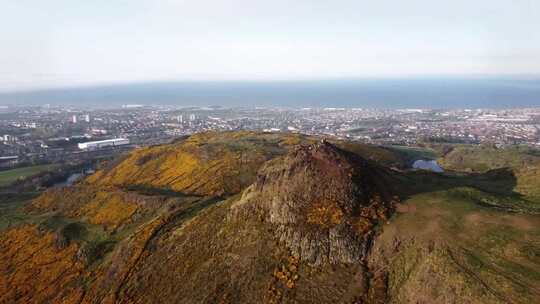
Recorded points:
65,43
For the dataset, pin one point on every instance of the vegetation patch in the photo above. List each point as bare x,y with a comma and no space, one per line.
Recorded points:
8,177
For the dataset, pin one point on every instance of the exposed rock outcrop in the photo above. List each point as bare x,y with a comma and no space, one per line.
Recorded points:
323,202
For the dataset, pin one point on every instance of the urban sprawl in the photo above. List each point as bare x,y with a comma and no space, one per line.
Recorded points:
50,133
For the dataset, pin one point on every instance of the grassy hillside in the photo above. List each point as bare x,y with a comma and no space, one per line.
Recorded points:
444,247
483,158
243,217
411,154
11,209
203,164
523,163
213,163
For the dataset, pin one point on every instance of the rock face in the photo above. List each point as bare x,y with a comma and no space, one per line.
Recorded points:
322,202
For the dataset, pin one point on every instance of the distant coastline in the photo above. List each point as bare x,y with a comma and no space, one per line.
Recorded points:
450,92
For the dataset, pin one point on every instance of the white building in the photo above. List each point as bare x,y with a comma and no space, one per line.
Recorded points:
8,138
94,145
7,161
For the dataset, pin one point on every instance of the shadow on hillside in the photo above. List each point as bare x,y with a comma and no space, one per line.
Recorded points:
494,189
151,191
498,182
200,203
199,207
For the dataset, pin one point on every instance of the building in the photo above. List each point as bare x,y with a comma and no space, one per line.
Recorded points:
96,131
8,161
94,145
87,117
74,119
8,138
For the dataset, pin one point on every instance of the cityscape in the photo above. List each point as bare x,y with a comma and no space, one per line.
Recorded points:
48,133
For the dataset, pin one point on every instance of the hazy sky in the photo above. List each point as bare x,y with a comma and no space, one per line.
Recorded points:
82,42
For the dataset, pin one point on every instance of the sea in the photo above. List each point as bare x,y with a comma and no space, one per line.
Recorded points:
434,92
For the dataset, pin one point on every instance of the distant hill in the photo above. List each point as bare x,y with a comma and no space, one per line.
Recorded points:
245,217
522,162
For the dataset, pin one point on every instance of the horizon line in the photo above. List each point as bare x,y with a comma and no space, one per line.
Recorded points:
520,76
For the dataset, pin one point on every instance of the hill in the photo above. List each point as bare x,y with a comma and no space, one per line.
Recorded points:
524,164
245,217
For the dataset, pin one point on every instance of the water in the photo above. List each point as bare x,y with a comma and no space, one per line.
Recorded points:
70,180
430,165
449,92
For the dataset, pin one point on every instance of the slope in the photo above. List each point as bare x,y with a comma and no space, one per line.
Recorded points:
278,219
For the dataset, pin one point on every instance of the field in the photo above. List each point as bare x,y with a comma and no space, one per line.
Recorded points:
9,176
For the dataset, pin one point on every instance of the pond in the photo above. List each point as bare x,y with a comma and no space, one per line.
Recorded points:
430,165
70,180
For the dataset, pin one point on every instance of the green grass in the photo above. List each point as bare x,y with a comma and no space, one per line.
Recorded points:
483,158
479,238
10,176
11,213
94,241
